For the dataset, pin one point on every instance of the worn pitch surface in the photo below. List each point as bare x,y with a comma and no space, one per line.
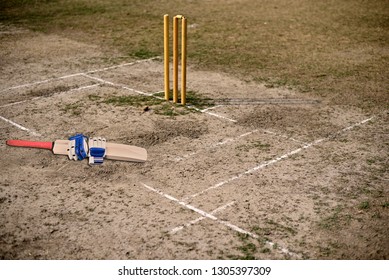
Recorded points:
266,178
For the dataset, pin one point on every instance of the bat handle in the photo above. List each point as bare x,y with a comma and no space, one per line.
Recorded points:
30,144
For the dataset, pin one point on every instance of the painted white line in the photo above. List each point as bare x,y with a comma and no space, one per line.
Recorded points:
98,79
205,111
214,218
78,74
220,116
355,125
231,140
13,32
211,108
275,160
284,136
41,82
193,222
122,65
29,130
182,203
221,143
117,85
20,127
39,97
19,102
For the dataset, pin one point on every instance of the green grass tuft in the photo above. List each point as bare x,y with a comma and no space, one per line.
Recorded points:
364,205
144,54
192,99
133,100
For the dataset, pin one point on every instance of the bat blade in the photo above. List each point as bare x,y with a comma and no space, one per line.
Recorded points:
125,152
113,151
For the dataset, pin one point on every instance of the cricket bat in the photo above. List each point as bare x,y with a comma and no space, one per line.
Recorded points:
113,151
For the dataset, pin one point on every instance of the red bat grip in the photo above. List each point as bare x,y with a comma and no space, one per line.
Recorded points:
30,144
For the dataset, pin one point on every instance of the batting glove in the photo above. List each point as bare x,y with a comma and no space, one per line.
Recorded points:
96,150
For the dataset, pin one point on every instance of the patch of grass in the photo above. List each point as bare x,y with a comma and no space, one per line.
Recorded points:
274,226
257,145
192,99
132,100
250,248
370,161
247,249
330,221
94,97
364,205
276,83
159,106
261,146
144,54
168,110
334,51
49,91
199,101
45,15
265,251
74,109
335,220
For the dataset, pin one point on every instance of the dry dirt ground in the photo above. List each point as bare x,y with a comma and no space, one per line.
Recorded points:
277,174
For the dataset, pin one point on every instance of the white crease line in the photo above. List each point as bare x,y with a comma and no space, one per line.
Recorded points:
205,111
41,82
212,217
232,120
98,79
13,32
29,130
220,116
131,89
354,125
211,108
226,141
20,127
284,136
121,65
19,102
39,97
79,74
116,85
229,140
193,222
275,160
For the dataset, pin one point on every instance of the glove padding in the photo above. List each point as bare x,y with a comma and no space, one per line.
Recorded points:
78,147
96,150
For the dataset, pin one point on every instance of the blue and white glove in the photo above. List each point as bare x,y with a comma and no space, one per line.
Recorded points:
78,147
96,150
